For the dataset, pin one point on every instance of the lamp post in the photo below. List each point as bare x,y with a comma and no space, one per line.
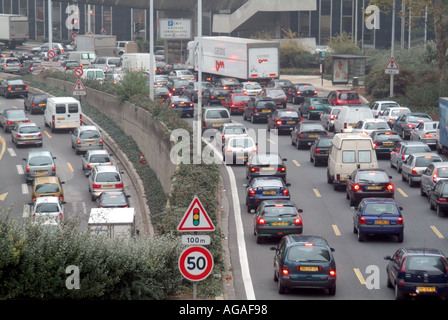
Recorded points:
392,48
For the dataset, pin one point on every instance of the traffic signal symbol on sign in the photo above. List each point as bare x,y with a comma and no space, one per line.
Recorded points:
196,218
392,65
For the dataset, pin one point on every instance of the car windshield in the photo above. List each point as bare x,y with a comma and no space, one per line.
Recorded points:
321,101
16,82
349,96
376,209
265,104
40,161
372,176
376,126
100,158
242,143
217,114
16,114
108,177
432,126
89,134
272,183
324,143
30,129
235,130
426,161
279,211
269,159
241,98
47,188
397,112
47,207
312,127
304,253
412,150
425,263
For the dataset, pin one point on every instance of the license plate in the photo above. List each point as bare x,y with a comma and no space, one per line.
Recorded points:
221,98
41,104
303,268
241,157
18,88
267,169
426,289
279,223
41,171
290,122
269,192
108,186
29,137
381,221
278,102
265,111
313,136
90,141
60,118
182,103
217,124
388,143
374,188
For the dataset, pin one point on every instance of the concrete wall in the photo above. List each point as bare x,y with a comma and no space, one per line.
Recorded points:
150,135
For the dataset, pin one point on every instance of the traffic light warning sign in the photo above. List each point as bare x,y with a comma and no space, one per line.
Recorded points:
196,218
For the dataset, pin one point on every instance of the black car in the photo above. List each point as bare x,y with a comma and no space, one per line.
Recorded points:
215,95
305,132
320,150
70,65
265,188
385,142
438,197
407,122
368,183
259,109
228,83
298,91
113,199
35,102
265,164
177,86
182,104
283,120
161,94
13,87
419,271
277,94
304,261
191,91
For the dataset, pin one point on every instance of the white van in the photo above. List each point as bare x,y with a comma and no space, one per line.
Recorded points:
62,113
93,74
85,58
349,116
349,151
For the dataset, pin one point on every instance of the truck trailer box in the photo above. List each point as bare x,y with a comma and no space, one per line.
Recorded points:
442,140
101,45
14,29
241,58
137,61
112,222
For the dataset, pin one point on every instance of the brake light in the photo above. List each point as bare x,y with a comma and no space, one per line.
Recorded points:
400,220
279,122
285,192
252,193
428,135
53,168
27,169
403,157
9,88
40,134
96,186
282,169
332,272
261,221
285,271
434,178
414,171
356,187
442,200
411,125
362,220
80,119
119,185
316,151
255,110
332,117
301,135
101,141
60,215
390,187
78,141
298,93
254,169
345,125
89,166
375,144
313,108
298,221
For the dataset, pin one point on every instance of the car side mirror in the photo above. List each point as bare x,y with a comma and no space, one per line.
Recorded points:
284,159
245,185
388,258
401,208
252,211
300,211
273,248
288,184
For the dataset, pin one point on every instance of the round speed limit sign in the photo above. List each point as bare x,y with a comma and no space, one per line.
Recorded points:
195,263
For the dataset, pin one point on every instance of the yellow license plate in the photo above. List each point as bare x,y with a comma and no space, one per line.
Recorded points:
108,186
374,188
241,157
60,118
42,171
182,103
381,221
267,169
18,88
29,137
265,111
352,124
217,124
279,223
269,192
290,122
41,104
221,98
303,268
313,135
426,289
388,143
278,102
90,141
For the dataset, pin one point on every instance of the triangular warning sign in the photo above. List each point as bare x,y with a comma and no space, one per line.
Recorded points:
79,86
196,218
392,64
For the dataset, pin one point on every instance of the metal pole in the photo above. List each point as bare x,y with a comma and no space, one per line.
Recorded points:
50,28
392,48
89,22
151,49
199,105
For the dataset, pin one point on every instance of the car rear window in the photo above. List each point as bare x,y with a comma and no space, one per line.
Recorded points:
387,137
442,172
269,159
349,96
372,176
377,209
47,188
235,130
324,143
425,263
241,143
412,150
108,177
99,158
113,198
302,253
279,211
275,183
241,98
417,118
73,108
265,104
376,126
89,134
16,82
40,161
29,129
312,127
47,207
217,114
60,108
426,161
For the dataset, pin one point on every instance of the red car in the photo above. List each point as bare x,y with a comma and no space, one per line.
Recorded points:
343,97
236,102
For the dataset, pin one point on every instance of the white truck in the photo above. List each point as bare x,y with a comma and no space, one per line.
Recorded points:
241,58
112,222
101,45
14,30
137,61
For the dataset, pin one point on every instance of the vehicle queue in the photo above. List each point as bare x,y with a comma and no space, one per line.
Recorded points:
303,261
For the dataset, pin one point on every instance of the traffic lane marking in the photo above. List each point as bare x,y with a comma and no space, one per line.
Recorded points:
296,163
359,275
402,192
70,167
437,232
3,149
48,135
336,230
316,192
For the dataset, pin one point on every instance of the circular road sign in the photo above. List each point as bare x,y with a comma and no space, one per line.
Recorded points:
78,72
51,54
73,35
195,263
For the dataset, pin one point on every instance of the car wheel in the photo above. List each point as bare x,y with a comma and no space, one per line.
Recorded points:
275,276
252,119
352,202
332,290
400,237
439,211
298,144
329,179
422,193
403,177
360,236
431,206
280,287
259,239
397,294
411,183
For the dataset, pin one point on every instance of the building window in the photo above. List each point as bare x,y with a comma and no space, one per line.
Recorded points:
304,23
325,22
347,16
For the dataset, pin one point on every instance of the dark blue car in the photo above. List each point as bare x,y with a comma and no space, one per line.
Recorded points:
182,104
265,188
378,216
417,272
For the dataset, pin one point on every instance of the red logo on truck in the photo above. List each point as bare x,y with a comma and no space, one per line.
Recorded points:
260,61
220,65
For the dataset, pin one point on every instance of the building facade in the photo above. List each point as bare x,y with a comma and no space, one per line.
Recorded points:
326,19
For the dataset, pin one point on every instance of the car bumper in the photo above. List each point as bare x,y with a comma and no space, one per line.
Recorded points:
424,289
430,142
320,157
28,141
359,195
257,201
306,281
237,109
381,229
272,232
306,141
284,127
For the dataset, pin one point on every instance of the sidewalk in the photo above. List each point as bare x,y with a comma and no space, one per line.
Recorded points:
320,84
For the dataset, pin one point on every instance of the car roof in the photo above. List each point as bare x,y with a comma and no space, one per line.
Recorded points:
422,251
39,153
274,202
113,168
48,179
424,154
298,239
441,164
379,199
49,199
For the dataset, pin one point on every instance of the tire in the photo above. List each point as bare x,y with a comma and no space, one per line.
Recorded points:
422,193
329,179
397,294
361,236
431,206
400,237
439,211
332,291
280,287
252,119
411,183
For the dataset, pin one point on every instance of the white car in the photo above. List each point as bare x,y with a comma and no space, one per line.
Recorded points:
379,106
426,132
238,149
47,211
367,126
392,114
251,88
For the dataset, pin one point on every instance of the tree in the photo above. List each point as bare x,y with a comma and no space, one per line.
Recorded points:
438,10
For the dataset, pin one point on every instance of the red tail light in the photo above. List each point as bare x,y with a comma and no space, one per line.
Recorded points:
255,110
119,185
403,157
254,169
316,151
89,166
96,186
390,187
332,117
9,88
428,135
78,141
60,215
282,169
375,144
332,272
285,271
442,200
313,108
261,221
53,168
362,220
26,87
414,171
434,178
252,193
400,220
27,169
356,187
80,119
298,221
279,122
285,192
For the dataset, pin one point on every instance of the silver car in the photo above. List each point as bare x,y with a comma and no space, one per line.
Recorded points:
104,178
39,164
238,149
26,134
47,211
328,116
413,167
10,64
402,151
426,132
431,175
93,158
86,138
